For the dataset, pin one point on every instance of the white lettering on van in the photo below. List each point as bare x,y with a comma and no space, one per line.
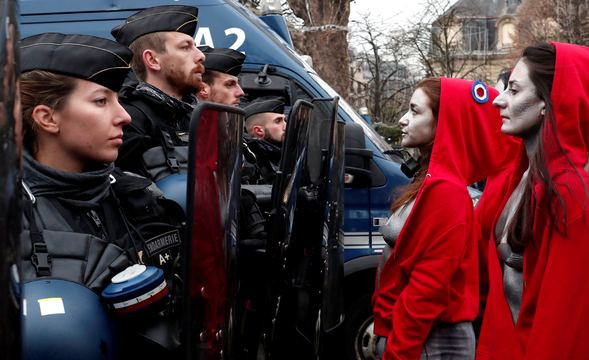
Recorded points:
239,37
203,37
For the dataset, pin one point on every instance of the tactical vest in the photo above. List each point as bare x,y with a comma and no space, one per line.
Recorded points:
172,155
50,246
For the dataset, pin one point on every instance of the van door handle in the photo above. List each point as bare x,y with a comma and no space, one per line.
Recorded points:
379,221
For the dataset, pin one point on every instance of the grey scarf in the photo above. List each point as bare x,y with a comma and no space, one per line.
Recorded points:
85,189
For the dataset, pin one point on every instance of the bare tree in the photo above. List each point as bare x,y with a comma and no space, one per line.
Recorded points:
324,37
250,3
380,75
553,20
451,40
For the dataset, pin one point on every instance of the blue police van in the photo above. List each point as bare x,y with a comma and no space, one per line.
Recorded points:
370,178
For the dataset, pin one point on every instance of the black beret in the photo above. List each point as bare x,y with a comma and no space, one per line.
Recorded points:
227,61
264,104
178,18
91,58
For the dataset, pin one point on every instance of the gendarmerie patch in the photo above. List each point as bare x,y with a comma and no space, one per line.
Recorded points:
160,248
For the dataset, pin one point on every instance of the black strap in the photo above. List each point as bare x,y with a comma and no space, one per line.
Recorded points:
164,136
41,259
128,226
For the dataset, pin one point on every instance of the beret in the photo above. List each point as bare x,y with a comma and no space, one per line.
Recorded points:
224,60
178,18
264,104
91,58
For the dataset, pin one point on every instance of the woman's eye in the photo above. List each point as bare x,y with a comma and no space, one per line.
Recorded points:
512,91
100,102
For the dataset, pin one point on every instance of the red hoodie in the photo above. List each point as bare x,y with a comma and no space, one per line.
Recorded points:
554,321
432,274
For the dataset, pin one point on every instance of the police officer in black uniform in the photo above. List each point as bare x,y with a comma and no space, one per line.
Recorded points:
220,80
70,196
84,220
169,68
221,85
266,124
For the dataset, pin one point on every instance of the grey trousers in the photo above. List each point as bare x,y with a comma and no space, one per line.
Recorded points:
446,341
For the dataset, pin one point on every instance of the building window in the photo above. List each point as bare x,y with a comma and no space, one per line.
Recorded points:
507,32
476,35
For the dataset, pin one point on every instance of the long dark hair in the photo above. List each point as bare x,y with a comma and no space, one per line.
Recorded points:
541,60
432,88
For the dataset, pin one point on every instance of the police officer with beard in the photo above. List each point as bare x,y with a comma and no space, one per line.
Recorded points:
220,79
169,68
266,124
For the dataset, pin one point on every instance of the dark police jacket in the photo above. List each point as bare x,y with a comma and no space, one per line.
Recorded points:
155,142
262,160
88,227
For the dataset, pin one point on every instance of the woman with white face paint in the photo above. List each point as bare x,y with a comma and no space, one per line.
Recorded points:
427,280
538,218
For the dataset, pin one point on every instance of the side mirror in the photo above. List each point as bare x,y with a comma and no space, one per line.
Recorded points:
264,83
357,159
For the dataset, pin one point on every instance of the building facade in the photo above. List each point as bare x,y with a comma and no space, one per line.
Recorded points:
479,38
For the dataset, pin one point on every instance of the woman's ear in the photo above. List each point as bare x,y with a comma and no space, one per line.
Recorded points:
44,117
542,108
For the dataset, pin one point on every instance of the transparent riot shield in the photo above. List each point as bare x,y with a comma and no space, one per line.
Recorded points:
280,245
10,206
213,201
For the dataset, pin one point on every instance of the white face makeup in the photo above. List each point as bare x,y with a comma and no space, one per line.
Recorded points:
521,108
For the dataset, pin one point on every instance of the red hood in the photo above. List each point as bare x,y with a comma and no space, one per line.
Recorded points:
469,145
570,99
432,274
550,323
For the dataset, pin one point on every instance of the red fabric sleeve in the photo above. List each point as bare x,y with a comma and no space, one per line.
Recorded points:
558,329
426,295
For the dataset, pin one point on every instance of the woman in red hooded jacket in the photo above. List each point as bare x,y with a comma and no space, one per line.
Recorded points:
427,282
536,216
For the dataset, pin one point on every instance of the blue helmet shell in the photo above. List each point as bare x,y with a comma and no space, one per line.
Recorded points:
174,188
64,320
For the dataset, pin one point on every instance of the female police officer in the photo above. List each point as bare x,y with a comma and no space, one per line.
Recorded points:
72,132
84,221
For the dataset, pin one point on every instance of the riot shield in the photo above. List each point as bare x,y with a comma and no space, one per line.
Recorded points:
10,194
321,215
280,246
213,200
332,249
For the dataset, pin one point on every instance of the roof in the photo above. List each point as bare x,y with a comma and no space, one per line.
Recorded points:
485,8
